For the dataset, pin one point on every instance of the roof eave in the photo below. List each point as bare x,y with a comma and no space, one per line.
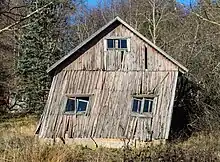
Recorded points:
52,67
182,69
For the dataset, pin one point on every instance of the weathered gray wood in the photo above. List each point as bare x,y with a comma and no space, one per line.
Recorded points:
170,110
111,82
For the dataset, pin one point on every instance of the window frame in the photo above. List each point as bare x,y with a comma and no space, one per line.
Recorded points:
143,98
120,43
113,44
79,96
67,100
117,42
81,100
138,109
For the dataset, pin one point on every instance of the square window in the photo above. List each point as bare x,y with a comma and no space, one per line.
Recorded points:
110,43
123,43
148,105
77,104
82,103
81,106
136,105
70,106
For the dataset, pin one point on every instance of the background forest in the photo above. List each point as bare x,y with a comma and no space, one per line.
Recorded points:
36,33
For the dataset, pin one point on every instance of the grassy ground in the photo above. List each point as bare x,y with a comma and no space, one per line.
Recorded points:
18,144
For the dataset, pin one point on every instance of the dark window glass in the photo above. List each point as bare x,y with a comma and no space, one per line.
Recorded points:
147,106
111,43
77,104
70,106
136,105
139,108
82,103
123,43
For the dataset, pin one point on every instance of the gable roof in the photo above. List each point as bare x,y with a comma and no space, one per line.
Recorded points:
55,65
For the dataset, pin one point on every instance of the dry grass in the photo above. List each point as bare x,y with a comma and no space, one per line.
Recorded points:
24,126
18,144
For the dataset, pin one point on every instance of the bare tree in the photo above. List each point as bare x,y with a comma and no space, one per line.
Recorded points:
10,11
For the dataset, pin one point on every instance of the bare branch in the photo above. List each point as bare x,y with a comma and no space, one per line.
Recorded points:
205,19
24,18
8,16
26,25
16,7
15,14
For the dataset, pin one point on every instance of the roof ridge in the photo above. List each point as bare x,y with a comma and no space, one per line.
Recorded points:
183,69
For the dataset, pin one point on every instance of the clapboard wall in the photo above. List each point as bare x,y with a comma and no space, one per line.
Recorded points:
111,86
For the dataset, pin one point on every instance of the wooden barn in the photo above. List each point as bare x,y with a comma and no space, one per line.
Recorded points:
114,85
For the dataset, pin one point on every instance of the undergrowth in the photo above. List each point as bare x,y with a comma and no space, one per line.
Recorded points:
17,143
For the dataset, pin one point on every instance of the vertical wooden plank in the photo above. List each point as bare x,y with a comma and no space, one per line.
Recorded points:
112,92
171,106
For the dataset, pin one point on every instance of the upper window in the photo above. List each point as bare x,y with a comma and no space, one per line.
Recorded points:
142,105
117,44
77,104
122,43
110,43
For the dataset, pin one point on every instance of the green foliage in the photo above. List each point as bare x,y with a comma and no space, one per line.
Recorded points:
40,45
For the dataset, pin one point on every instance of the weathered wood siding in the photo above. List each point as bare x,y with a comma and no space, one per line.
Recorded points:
110,105
96,58
112,85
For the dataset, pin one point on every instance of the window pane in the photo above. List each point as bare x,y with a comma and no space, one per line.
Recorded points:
70,106
148,106
110,43
123,43
136,105
82,105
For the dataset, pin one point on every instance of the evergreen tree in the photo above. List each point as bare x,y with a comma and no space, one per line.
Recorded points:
40,45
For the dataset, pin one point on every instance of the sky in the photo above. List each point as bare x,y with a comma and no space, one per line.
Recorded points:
186,2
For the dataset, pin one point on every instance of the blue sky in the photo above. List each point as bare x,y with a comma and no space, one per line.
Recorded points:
186,2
